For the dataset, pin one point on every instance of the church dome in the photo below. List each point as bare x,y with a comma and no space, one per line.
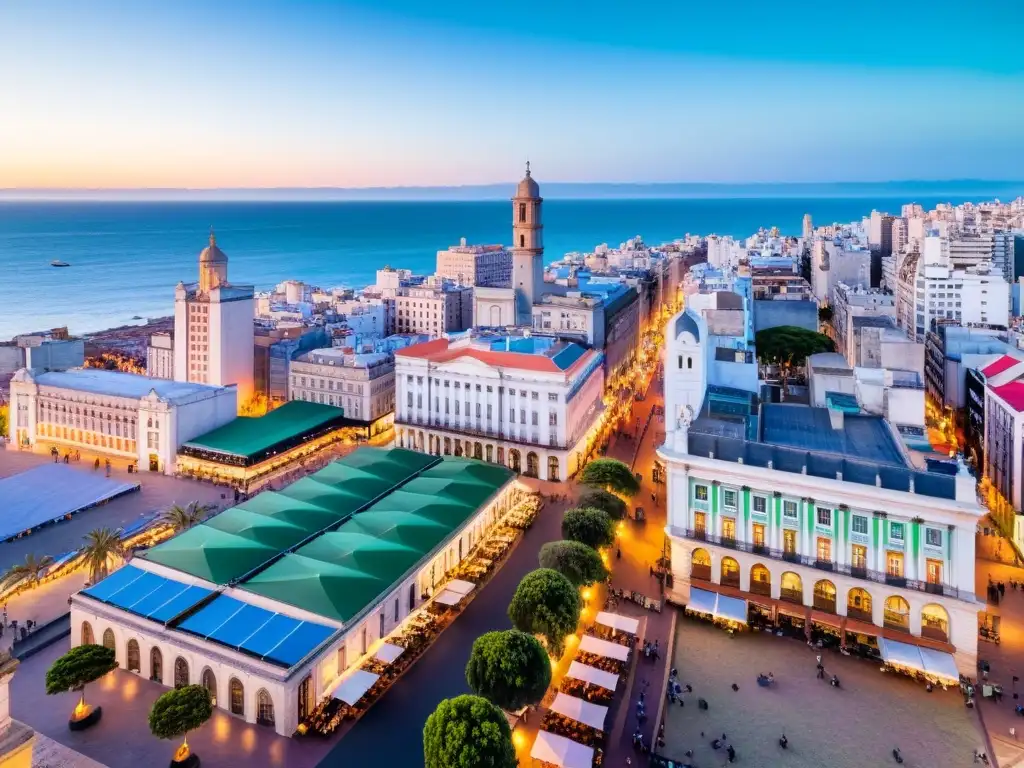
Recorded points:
212,254
528,187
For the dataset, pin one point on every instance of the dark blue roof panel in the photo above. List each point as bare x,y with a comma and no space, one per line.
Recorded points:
146,594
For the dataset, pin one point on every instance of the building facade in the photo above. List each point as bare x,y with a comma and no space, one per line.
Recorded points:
123,416
433,310
530,403
213,327
160,356
362,384
476,265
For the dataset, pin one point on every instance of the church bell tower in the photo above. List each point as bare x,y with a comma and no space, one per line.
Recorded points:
527,248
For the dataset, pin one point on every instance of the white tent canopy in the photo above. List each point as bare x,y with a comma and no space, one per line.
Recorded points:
460,587
621,623
589,674
719,606
931,662
351,689
579,710
603,648
558,750
447,597
388,652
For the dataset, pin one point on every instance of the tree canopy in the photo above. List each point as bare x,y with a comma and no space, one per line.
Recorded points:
547,604
599,498
788,345
588,526
467,732
29,570
103,546
510,669
576,561
611,475
78,667
179,711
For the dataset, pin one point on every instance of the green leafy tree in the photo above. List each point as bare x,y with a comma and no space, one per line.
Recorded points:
510,669
103,546
598,498
789,346
179,711
181,518
30,571
79,667
546,604
611,475
588,526
580,564
467,732
4,413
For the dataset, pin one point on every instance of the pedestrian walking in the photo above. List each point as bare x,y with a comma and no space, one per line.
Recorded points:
1013,733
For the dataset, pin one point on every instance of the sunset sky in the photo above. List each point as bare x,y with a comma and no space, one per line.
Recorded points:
386,93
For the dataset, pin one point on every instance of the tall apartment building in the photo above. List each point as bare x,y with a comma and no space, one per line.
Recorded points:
484,265
160,356
849,302
433,309
833,263
213,327
531,403
362,384
772,512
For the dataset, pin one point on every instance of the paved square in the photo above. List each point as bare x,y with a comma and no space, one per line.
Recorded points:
852,727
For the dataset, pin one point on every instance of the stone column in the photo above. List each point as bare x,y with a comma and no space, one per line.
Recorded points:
16,739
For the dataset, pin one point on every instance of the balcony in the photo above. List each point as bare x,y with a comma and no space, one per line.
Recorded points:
879,577
700,572
824,603
792,595
761,588
731,580
859,614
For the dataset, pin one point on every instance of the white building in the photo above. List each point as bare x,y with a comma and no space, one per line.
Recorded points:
531,403
812,516
121,415
837,262
362,384
433,309
160,356
849,302
272,630
482,265
213,327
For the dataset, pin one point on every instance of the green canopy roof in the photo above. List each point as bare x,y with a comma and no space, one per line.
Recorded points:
251,534
374,549
250,435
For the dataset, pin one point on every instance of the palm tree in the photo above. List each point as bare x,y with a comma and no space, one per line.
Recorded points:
31,570
182,518
102,546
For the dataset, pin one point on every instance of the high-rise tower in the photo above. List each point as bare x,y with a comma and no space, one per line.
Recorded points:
527,248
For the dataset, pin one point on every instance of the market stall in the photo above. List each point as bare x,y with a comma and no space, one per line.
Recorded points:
593,675
618,622
388,653
701,601
600,647
449,598
351,689
592,715
731,609
557,750
935,666
460,586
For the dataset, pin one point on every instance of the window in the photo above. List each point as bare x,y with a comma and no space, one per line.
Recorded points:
156,665
894,564
824,549
728,528
760,504
553,397
789,542
522,211
264,708
789,509
534,418
700,492
896,531
934,571
729,499
933,537
180,673
134,663
380,632
859,556
699,523
824,516
860,524
758,535
237,696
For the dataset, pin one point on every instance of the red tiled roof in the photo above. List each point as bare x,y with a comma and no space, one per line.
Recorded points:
1012,393
996,367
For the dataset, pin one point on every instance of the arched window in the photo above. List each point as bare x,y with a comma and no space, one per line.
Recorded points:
825,596
87,637
700,565
552,468
156,665
532,464
689,363
935,623
180,673
760,580
522,212
897,613
264,708
858,604
108,639
792,588
522,241
730,572
237,693
133,656
210,684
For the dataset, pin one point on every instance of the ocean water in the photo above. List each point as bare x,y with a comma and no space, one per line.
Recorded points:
127,257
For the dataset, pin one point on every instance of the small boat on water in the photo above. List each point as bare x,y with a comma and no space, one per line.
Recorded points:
59,263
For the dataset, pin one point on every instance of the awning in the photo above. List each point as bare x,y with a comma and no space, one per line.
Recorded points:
579,710
604,648
731,608
927,660
701,601
558,750
621,623
447,597
351,689
460,587
388,653
593,675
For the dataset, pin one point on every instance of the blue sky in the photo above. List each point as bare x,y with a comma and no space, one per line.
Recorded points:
390,93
